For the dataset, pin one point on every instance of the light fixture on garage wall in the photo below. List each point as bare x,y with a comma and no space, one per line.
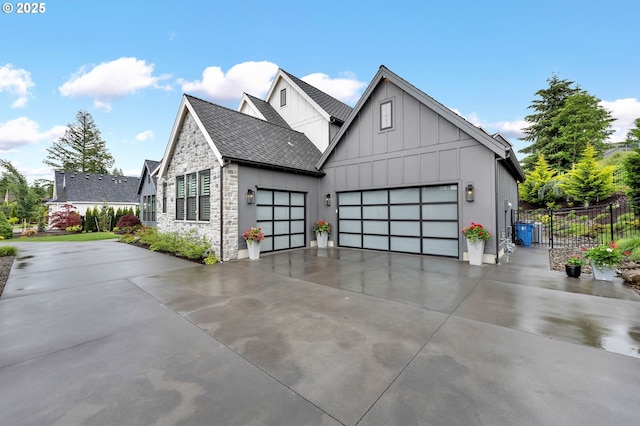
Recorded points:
327,200
251,196
469,192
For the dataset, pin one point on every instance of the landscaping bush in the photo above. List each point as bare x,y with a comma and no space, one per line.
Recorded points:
6,230
187,245
128,224
8,251
631,245
127,239
65,217
29,233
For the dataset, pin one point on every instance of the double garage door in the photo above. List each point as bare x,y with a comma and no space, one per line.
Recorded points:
281,215
420,220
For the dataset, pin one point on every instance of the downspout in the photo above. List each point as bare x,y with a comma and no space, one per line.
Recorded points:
222,212
498,233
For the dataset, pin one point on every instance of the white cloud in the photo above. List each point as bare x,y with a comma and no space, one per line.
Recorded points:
144,136
23,131
17,82
512,130
250,77
625,111
345,88
112,80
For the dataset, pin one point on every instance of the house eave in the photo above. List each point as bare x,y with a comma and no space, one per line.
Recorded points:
265,166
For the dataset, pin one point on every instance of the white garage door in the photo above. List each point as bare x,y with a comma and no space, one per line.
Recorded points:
410,220
281,215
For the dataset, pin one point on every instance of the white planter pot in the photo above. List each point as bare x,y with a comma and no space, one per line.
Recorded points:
604,274
323,239
476,252
254,250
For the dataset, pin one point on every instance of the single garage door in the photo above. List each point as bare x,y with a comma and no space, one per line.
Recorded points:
410,220
281,215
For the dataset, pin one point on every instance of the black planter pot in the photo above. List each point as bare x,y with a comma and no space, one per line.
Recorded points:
573,271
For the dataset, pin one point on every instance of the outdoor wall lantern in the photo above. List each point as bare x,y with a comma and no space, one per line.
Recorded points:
327,200
251,196
469,192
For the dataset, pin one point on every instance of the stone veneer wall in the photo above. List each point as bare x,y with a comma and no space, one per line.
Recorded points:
192,153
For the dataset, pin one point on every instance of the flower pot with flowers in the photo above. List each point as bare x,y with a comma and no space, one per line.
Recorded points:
476,235
322,230
253,237
604,259
573,267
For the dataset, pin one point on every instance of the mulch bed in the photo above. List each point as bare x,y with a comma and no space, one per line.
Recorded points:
5,268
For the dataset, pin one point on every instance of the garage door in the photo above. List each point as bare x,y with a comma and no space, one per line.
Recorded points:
281,215
410,220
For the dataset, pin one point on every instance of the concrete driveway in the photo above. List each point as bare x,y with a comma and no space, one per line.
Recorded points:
106,333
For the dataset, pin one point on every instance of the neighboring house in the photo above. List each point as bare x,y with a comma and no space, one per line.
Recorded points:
398,172
87,190
147,189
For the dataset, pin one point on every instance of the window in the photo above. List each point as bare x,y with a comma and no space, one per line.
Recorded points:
386,115
153,208
164,197
191,196
283,97
203,201
180,198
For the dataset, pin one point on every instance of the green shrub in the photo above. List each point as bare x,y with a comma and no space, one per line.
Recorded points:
8,251
6,230
211,259
631,245
127,238
74,229
188,244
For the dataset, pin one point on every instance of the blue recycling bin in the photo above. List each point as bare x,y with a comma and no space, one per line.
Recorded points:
524,233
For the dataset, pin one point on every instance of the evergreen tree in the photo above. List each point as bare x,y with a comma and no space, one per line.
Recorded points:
580,122
541,184
633,136
632,176
542,129
81,149
587,182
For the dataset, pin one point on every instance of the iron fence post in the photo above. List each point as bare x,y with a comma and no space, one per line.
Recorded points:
611,220
551,227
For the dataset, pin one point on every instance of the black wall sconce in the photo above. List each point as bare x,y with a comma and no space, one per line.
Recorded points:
251,196
469,192
327,200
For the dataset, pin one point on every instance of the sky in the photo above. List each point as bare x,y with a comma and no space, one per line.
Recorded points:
128,63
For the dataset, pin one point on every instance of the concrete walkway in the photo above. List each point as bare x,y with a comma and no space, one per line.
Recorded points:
106,333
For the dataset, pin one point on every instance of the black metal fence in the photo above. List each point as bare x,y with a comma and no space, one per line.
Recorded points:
576,227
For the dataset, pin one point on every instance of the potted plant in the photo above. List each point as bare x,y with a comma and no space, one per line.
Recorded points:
573,267
604,259
253,237
476,235
322,230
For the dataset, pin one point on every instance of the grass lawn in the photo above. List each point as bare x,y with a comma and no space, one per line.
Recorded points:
89,236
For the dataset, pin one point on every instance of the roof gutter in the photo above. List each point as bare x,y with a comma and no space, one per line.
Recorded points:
318,173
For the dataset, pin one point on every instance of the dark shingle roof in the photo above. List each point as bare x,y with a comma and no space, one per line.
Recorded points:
76,187
250,140
331,105
148,168
269,113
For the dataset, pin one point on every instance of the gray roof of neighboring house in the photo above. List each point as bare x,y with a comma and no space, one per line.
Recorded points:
331,105
249,140
269,113
87,187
